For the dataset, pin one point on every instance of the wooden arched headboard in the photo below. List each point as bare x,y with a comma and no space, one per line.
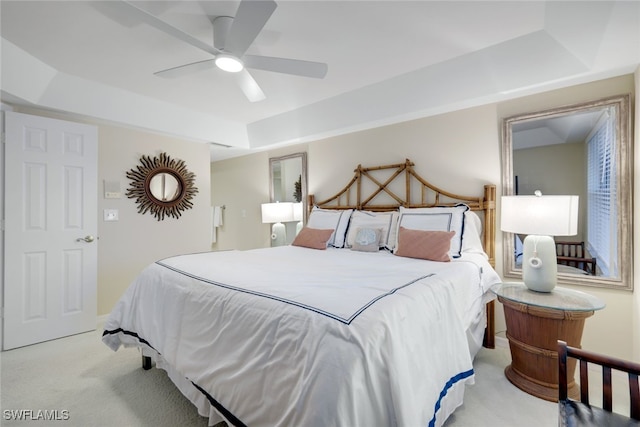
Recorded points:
414,192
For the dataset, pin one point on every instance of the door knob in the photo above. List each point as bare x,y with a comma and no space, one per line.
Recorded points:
87,239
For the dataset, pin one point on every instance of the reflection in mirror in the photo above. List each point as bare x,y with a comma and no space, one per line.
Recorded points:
579,150
165,187
288,183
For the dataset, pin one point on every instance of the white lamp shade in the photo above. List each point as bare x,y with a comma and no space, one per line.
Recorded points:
540,215
277,212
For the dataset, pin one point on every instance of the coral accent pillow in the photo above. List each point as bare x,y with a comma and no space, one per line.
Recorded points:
314,238
430,245
439,218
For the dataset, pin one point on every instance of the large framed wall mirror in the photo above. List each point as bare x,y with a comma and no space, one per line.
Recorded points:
288,183
586,150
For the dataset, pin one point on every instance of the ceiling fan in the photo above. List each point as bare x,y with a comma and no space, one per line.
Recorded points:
232,36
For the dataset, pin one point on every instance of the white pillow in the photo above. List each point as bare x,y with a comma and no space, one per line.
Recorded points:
437,219
472,234
387,221
336,219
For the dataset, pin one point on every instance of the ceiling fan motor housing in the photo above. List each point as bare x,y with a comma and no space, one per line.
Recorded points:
221,27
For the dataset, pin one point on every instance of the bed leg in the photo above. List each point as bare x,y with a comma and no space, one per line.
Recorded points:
490,330
146,363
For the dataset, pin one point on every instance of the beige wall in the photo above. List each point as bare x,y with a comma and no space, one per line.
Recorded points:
435,144
136,240
552,169
241,185
458,151
127,246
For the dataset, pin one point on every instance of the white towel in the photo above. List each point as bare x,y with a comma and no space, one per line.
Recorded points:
217,222
217,216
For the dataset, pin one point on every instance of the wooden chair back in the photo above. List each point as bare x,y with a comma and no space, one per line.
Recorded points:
574,255
607,364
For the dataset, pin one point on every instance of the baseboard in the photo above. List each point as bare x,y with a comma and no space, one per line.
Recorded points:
100,320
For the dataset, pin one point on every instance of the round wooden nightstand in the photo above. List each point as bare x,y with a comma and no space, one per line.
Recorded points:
535,322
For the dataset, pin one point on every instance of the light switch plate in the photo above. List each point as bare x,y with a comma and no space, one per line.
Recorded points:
111,214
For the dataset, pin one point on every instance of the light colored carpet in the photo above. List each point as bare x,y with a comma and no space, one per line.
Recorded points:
493,401
98,387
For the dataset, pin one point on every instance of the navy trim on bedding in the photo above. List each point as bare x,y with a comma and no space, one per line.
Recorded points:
236,422
133,334
221,409
445,389
346,321
332,242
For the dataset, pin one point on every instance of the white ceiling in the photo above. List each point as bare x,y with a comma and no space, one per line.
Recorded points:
388,61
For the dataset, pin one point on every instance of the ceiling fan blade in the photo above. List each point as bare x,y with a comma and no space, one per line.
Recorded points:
247,24
249,86
287,66
183,70
159,24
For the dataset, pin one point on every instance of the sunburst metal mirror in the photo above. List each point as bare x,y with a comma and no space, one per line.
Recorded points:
161,186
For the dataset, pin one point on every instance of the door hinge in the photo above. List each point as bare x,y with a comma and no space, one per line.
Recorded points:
1,224
3,137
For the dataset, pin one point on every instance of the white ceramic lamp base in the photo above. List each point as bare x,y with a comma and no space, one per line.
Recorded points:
278,234
539,263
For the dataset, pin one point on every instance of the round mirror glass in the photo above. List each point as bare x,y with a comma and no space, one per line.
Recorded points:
165,187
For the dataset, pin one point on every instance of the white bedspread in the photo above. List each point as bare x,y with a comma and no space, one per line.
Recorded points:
291,336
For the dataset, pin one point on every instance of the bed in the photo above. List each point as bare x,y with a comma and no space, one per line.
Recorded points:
361,332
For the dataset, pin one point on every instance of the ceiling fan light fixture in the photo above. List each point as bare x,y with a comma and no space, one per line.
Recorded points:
229,63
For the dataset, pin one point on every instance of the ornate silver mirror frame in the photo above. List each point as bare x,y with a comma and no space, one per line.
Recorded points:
619,106
288,183
288,178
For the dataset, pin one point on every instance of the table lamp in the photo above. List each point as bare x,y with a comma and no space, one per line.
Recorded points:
540,217
277,213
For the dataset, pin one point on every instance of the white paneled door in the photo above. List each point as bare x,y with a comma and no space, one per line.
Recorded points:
50,286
